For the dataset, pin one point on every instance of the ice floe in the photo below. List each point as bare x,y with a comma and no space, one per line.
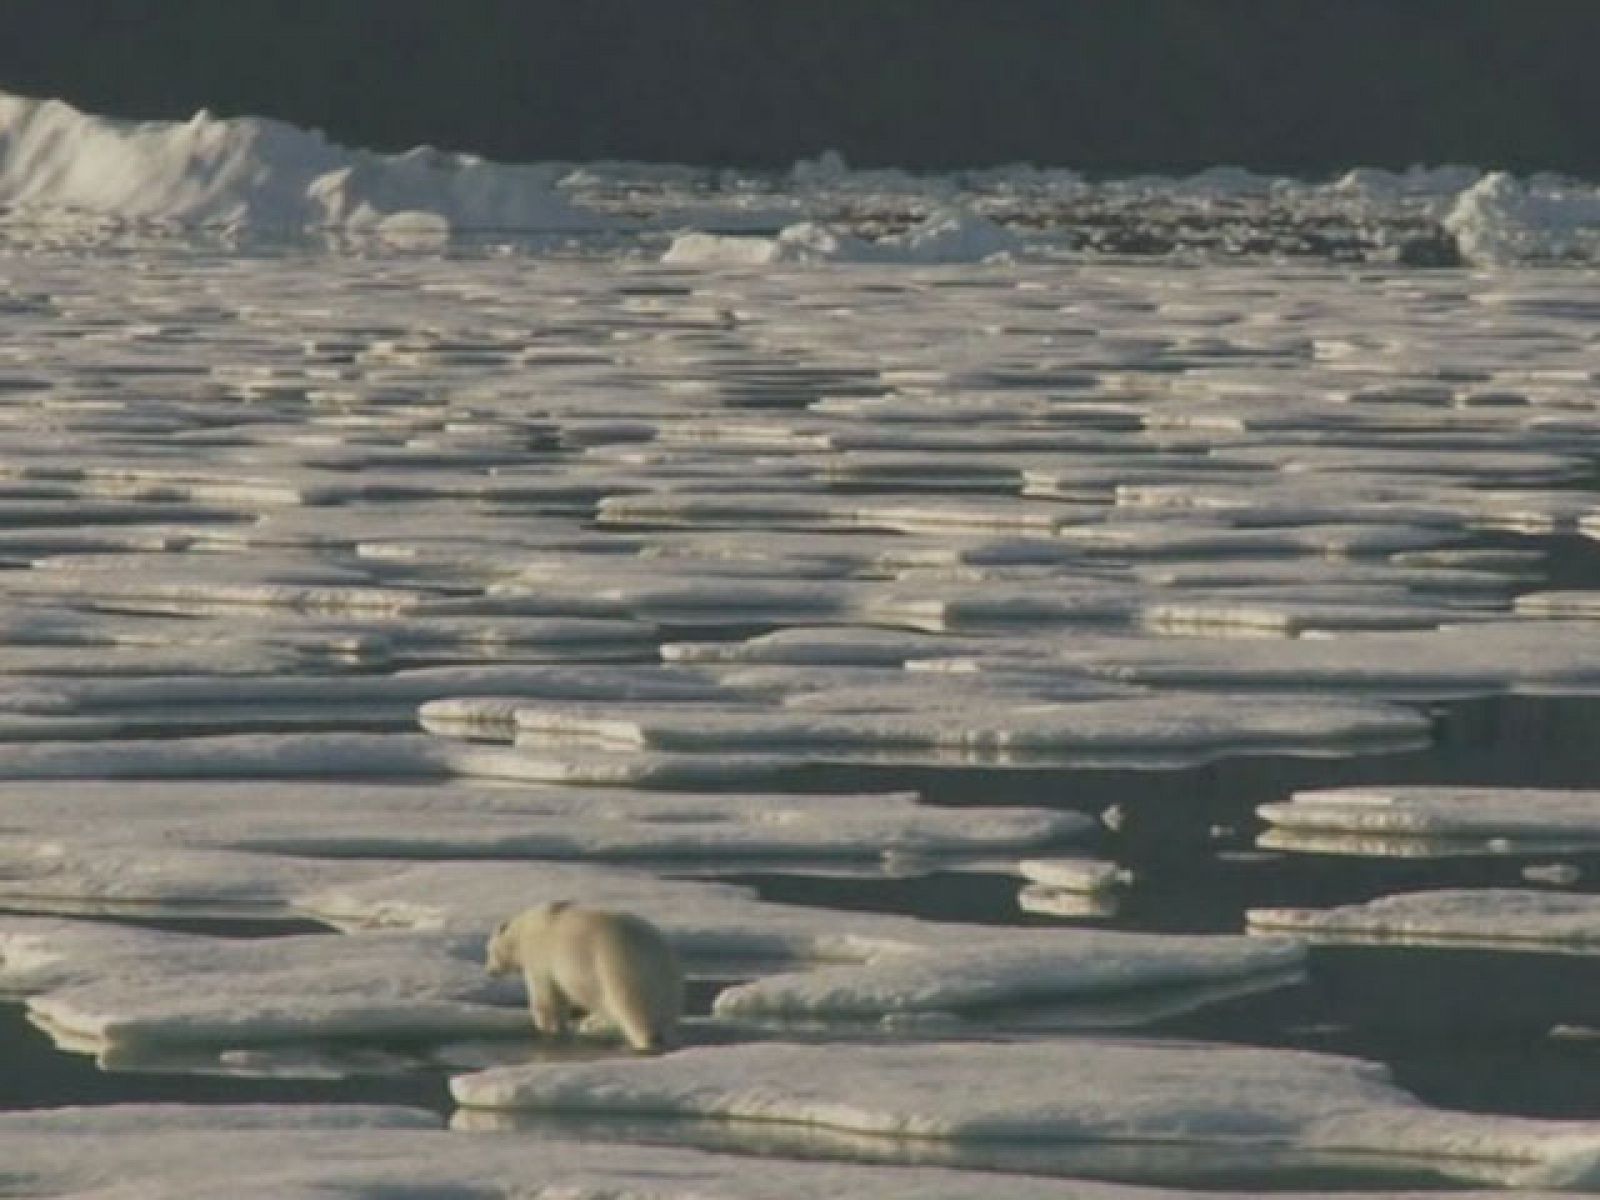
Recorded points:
284,1152
1505,918
1424,820
1064,1107
944,237
450,821
1167,726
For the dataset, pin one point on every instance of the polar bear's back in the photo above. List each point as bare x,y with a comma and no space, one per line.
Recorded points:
615,964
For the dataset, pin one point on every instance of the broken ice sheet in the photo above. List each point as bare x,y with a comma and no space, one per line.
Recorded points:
1067,904
1434,820
282,1152
225,702
93,983
1482,658
1498,918
1085,875
455,821
1164,726
1071,1106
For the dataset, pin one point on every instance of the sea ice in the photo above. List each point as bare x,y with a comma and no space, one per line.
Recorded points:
944,237
1161,726
1048,1106
452,821
1437,819
92,988
1502,918
283,1152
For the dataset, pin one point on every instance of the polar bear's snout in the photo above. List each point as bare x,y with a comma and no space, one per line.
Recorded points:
500,960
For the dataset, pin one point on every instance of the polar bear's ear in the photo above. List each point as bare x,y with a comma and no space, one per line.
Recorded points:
556,906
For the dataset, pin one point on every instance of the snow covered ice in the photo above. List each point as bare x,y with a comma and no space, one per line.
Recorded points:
390,542
1436,820
1046,1105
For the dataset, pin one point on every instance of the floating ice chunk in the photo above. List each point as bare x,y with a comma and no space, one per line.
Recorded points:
1516,467
1009,968
414,230
1501,219
1160,724
803,243
622,684
1289,617
990,604
950,236
220,659
1465,819
1047,901
154,589
944,237
1164,539
926,514
830,647
238,756
368,820
90,875
1482,658
1050,1105
1497,917
1554,874
192,988
1470,580
1075,874
284,1152
1560,605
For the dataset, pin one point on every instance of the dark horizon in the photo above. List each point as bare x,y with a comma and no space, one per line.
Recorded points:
1304,87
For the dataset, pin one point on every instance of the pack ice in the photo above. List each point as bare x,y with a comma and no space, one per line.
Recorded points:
104,986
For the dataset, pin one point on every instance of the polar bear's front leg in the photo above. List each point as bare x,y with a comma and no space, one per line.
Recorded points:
548,1005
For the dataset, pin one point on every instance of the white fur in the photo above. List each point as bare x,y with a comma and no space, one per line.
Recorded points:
614,966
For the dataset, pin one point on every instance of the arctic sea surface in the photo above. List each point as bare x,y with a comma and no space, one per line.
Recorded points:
1096,678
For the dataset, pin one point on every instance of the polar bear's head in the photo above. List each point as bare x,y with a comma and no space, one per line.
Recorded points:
502,957
505,943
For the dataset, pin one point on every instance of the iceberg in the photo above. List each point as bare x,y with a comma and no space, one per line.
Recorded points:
260,175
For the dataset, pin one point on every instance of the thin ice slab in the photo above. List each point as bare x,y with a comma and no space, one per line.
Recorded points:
311,1152
1435,820
1050,1106
455,821
1500,918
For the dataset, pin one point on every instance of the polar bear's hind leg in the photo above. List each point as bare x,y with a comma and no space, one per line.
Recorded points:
548,1005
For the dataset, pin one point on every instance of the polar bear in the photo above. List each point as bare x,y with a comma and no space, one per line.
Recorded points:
612,965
